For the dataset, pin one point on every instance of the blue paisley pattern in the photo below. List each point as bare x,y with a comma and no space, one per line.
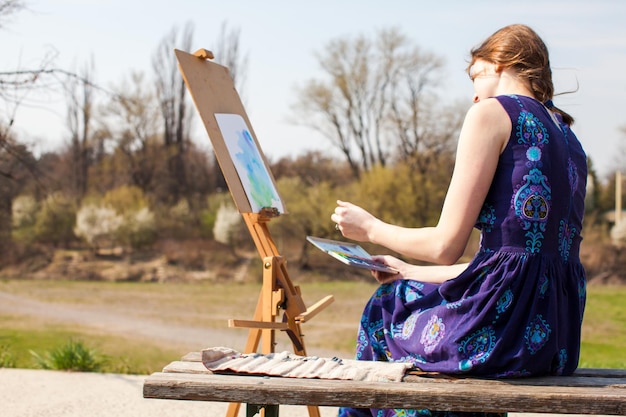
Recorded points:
531,200
500,317
477,347
567,232
530,131
505,301
487,218
537,334
562,362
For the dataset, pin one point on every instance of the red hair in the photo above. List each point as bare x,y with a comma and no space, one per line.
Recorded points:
520,48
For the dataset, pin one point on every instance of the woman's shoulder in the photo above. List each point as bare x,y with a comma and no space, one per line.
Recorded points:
489,110
487,122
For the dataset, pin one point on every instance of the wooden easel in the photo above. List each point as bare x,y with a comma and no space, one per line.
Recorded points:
213,92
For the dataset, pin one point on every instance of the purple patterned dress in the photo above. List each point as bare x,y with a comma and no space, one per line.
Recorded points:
517,309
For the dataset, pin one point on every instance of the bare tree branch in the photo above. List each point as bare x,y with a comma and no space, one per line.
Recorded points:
171,94
80,114
228,53
9,8
372,103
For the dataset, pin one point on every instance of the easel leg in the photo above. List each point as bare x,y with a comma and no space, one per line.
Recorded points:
314,410
268,310
262,410
233,409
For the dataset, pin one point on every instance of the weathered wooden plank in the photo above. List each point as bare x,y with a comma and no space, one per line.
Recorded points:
183,367
588,391
192,357
545,381
456,394
600,372
191,363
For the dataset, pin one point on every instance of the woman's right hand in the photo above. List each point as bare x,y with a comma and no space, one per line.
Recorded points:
354,222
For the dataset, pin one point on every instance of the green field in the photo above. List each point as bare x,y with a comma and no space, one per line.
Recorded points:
604,327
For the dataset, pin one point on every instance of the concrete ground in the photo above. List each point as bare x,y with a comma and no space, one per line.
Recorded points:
39,393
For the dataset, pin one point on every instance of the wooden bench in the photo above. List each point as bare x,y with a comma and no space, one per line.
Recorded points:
588,391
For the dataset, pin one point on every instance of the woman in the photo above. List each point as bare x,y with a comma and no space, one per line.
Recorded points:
520,175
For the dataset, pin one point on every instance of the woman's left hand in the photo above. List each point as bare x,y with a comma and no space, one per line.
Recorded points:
393,262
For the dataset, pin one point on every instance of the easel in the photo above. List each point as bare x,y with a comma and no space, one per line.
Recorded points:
213,92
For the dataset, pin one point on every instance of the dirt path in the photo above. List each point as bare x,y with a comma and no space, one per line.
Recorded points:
132,322
110,321
74,394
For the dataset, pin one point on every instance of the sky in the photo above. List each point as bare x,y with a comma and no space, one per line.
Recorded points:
586,39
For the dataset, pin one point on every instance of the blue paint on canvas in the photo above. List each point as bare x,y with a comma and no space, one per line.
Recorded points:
249,163
261,187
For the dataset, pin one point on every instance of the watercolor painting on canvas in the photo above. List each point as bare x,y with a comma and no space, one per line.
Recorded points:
250,166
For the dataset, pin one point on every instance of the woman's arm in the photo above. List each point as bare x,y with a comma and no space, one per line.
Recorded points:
484,135
435,274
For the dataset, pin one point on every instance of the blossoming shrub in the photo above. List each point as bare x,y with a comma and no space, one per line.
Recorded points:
121,218
97,225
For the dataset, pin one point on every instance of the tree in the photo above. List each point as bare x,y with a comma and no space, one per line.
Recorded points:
15,85
592,198
604,195
80,114
174,105
620,157
307,206
228,53
8,8
373,102
55,221
427,149
14,162
312,167
171,94
134,124
19,168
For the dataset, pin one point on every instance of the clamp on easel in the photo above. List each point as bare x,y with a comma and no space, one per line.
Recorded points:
204,54
213,93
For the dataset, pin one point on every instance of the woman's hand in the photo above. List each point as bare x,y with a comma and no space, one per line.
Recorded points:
354,222
393,262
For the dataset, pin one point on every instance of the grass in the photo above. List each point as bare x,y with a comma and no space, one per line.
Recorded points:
74,355
19,336
208,303
604,328
334,329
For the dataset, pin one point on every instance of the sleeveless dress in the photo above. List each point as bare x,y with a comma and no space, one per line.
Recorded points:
517,309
